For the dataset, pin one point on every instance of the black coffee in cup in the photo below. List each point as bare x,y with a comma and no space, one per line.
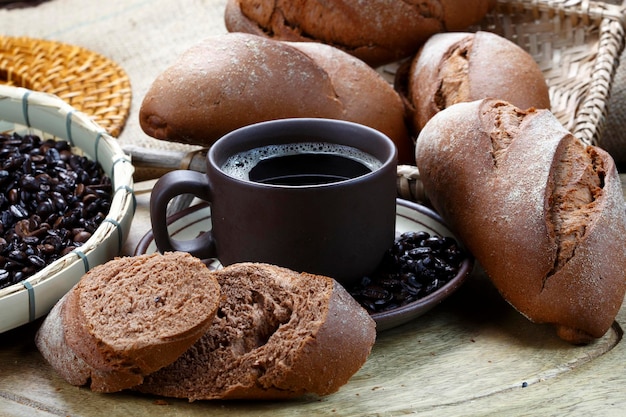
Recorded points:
301,164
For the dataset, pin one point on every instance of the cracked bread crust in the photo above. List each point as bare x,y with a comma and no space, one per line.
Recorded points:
541,212
460,67
378,32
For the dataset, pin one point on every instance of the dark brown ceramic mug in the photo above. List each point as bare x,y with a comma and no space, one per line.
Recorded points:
313,195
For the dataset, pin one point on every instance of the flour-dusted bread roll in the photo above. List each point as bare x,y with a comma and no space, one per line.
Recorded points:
541,212
376,31
458,67
128,318
236,79
277,334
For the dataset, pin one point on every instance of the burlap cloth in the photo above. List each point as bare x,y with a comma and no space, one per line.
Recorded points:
142,36
145,36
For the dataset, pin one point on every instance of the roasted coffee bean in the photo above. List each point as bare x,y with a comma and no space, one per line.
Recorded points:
45,208
4,277
51,202
52,156
28,182
81,236
37,261
17,255
31,240
417,265
18,211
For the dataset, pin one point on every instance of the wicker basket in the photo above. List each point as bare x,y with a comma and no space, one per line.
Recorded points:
26,111
577,44
89,82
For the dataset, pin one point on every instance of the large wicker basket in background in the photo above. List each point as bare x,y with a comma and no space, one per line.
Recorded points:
577,44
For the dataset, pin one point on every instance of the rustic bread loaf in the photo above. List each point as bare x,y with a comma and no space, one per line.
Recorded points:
541,212
459,67
277,334
233,80
376,31
129,317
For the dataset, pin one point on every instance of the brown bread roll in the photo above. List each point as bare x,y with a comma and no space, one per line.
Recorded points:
278,334
376,31
542,213
233,80
459,67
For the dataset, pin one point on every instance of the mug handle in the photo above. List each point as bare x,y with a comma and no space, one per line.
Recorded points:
167,187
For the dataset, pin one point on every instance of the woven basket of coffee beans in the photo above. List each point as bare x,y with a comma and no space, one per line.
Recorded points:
66,201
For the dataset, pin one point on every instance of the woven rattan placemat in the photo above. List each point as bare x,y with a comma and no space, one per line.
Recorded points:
90,82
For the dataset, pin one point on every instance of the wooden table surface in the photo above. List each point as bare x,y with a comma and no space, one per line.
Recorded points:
471,355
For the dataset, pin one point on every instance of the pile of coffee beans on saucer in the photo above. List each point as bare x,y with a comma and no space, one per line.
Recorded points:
417,265
51,201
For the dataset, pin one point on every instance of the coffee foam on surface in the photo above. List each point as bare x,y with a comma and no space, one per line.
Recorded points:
240,165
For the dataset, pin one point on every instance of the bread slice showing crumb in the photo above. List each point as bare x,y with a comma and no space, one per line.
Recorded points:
130,317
